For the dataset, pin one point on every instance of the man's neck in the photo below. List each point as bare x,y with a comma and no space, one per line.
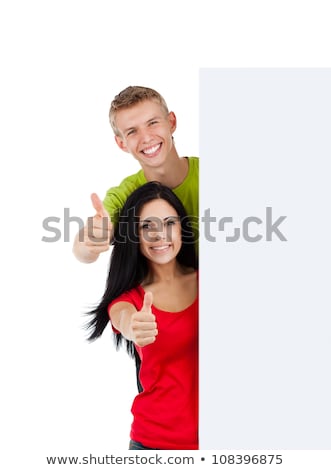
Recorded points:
172,174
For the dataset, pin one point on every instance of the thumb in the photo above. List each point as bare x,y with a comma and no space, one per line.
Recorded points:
98,206
148,300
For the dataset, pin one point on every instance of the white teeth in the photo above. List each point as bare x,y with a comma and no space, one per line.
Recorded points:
160,248
151,149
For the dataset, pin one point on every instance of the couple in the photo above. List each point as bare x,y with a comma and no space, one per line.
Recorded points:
151,294
151,299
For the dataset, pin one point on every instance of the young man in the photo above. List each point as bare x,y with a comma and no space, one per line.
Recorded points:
143,127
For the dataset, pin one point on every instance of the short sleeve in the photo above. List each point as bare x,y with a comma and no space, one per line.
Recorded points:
133,297
115,197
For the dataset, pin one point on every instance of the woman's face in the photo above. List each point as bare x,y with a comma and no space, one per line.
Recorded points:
159,231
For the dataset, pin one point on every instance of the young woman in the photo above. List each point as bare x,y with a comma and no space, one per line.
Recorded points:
151,299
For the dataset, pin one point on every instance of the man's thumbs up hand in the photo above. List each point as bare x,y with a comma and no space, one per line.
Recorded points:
98,206
143,324
98,229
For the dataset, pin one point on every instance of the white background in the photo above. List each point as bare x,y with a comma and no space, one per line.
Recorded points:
61,64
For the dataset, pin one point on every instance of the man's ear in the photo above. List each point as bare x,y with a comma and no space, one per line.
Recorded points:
172,121
121,143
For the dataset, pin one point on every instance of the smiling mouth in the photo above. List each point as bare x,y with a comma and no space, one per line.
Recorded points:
160,248
151,151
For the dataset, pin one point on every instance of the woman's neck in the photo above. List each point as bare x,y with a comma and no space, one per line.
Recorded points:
163,272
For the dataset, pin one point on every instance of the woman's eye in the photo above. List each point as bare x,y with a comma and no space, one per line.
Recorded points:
149,226
130,132
172,221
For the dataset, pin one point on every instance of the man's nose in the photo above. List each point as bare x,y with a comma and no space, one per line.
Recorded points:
145,135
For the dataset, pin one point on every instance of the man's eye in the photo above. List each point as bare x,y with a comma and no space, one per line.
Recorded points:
131,132
154,122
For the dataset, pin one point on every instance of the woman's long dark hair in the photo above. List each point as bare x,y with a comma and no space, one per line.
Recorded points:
128,267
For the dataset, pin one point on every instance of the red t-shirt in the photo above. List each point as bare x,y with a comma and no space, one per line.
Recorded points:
165,413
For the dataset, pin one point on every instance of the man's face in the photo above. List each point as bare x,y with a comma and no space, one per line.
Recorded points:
146,132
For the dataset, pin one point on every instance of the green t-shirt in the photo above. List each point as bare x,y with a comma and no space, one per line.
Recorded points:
187,192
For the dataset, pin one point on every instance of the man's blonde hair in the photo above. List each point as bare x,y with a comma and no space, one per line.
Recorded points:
131,96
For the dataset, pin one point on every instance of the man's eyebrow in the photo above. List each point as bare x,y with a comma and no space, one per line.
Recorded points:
153,118
147,122
129,129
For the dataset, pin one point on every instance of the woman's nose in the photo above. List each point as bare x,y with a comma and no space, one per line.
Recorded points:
162,232
161,235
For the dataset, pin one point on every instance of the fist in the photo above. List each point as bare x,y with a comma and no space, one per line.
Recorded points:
143,324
